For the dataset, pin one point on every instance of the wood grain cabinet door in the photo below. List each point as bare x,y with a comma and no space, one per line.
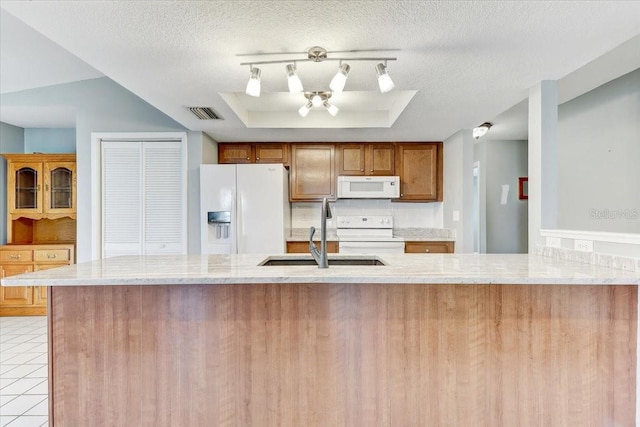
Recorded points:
380,159
20,295
428,247
24,187
350,159
235,153
419,166
303,247
312,172
271,153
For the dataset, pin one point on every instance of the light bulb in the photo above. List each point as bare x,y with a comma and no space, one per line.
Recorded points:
316,100
340,79
304,110
384,80
253,86
295,85
332,109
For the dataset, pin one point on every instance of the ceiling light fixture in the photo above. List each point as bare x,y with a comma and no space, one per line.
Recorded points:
340,79
253,86
318,99
480,131
384,80
295,85
304,110
319,54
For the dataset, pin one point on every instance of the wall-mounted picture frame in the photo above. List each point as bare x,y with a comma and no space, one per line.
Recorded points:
523,188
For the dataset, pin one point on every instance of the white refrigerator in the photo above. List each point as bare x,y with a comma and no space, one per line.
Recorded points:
244,209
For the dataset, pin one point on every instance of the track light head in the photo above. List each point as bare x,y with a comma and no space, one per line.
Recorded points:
295,85
480,131
253,86
304,110
340,79
384,80
331,109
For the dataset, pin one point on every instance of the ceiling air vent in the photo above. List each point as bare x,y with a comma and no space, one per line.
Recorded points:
205,113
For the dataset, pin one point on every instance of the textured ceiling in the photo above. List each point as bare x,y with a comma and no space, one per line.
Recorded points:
468,60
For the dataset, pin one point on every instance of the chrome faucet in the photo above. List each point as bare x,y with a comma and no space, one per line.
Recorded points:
321,255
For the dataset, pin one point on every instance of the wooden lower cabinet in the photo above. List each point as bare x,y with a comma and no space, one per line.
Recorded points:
303,247
18,259
428,247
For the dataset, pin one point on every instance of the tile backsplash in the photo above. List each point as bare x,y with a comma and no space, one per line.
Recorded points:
405,215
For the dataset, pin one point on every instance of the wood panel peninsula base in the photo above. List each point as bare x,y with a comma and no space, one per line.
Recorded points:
343,354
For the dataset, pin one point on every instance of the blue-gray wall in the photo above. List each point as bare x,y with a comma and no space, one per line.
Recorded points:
599,158
49,140
505,227
101,106
11,141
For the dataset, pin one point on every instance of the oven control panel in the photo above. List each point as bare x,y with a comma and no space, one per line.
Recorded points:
364,221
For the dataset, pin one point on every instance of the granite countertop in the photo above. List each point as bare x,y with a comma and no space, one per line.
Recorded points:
408,234
401,268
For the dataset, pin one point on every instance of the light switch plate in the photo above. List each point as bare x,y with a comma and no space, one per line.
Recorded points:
456,215
583,245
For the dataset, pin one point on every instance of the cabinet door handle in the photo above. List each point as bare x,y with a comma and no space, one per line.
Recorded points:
247,158
46,187
38,187
401,195
426,250
371,170
362,170
15,256
51,256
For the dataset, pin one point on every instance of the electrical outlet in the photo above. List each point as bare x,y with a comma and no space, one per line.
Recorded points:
553,242
583,245
456,215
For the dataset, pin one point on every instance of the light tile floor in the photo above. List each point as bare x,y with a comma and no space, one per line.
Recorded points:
23,372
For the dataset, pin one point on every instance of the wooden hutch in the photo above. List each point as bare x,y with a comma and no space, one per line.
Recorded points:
41,225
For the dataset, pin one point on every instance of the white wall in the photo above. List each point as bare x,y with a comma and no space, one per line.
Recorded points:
502,162
599,158
458,188
11,141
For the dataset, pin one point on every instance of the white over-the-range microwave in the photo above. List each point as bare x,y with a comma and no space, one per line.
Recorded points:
368,187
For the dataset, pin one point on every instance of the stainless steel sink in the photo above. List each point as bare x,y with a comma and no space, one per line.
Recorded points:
333,260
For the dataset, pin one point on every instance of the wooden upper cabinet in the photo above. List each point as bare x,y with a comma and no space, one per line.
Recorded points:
41,185
365,159
380,159
419,166
312,174
235,153
272,153
268,152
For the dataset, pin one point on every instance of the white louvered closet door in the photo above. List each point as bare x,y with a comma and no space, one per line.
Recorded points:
143,198
163,198
121,196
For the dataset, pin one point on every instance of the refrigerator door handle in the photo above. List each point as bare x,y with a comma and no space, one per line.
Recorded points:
234,216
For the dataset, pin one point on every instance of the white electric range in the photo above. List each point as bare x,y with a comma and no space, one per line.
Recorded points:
370,234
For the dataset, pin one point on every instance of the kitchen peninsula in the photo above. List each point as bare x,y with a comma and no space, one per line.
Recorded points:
425,340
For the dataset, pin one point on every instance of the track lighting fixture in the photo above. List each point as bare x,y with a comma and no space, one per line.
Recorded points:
318,99
295,85
253,86
319,54
480,131
384,80
304,110
340,79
